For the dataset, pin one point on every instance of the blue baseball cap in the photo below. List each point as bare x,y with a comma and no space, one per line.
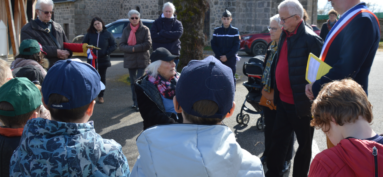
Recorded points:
206,79
77,81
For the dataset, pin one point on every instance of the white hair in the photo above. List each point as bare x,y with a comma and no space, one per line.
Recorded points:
294,7
47,2
171,5
152,69
132,12
5,72
277,19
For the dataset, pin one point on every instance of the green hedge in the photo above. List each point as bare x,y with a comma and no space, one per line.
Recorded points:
379,14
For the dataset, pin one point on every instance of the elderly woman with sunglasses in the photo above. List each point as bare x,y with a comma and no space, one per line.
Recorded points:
135,43
270,114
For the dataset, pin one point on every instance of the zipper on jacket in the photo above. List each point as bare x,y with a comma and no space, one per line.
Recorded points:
98,38
375,154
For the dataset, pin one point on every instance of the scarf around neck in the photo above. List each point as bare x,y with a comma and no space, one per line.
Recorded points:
329,25
132,36
266,80
167,88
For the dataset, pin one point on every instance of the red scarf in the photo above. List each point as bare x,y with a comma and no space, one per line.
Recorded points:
132,36
167,88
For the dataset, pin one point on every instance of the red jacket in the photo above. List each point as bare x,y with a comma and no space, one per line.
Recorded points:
351,157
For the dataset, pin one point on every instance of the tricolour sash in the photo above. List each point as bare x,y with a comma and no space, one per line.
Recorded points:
341,24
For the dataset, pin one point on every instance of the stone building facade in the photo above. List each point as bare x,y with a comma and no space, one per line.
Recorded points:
249,16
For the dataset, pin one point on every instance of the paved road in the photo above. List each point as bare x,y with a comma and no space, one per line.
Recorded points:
116,120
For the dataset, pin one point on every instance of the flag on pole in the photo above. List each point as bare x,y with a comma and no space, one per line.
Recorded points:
92,58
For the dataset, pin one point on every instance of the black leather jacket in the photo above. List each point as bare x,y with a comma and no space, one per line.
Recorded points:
300,45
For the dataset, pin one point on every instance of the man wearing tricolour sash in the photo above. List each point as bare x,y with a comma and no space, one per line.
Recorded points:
350,46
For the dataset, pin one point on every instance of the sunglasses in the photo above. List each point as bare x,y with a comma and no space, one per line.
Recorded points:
134,18
46,12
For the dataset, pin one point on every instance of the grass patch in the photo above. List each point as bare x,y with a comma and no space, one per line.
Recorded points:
380,47
125,79
207,48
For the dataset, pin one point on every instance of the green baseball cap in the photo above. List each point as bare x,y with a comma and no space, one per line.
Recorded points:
22,94
32,45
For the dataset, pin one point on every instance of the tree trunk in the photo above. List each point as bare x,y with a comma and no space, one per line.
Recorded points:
192,14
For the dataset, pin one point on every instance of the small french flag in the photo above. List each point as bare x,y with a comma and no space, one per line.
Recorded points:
91,58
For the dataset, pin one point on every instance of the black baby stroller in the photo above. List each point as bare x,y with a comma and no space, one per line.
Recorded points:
253,69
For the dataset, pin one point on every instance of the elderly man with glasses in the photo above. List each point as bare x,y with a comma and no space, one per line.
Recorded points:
47,32
166,31
297,41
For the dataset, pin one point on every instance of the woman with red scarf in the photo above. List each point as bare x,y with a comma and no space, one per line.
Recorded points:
135,43
326,27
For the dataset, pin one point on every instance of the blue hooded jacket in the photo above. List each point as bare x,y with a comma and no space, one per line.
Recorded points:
191,150
53,148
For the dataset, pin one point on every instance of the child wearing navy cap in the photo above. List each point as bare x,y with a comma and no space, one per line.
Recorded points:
202,146
68,145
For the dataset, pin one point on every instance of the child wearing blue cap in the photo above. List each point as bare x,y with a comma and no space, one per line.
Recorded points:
202,146
68,145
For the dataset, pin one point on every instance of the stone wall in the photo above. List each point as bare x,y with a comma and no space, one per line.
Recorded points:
64,14
249,16
78,14
149,9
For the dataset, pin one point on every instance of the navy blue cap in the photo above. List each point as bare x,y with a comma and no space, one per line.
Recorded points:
33,73
227,13
206,79
77,81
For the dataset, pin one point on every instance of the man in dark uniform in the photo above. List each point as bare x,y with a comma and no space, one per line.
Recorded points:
225,42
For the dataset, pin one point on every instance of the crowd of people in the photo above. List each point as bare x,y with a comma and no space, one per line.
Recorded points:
47,99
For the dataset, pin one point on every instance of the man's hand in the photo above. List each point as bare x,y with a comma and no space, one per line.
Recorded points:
223,58
267,95
309,91
133,49
62,54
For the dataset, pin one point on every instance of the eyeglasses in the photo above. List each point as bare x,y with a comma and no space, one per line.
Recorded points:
272,29
134,18
46,12
284,20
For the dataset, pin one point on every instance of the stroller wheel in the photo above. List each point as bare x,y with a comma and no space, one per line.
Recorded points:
239,118
245,119
261,123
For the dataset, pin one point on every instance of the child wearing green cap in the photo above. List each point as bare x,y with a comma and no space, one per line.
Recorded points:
31,53
20,101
